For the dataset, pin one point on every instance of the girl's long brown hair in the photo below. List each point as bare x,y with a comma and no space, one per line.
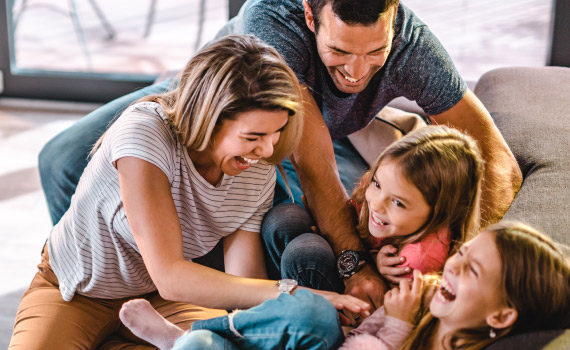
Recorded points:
535,281
446,167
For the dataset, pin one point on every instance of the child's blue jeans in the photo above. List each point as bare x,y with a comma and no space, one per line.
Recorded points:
300,321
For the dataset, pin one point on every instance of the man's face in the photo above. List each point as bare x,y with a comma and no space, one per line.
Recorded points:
352,53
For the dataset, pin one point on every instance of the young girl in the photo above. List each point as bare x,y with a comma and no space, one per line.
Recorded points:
509,278
175,175
420,199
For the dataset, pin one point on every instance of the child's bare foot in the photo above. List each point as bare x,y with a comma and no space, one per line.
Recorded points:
146,323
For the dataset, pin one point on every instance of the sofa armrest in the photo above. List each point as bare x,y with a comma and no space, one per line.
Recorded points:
531,109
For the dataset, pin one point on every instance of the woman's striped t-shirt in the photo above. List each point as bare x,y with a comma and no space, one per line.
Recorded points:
92,249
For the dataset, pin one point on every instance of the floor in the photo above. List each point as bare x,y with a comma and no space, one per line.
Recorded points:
480,35
25,126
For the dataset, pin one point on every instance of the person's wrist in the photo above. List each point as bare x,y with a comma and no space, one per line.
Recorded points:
287,286
365,269
350,262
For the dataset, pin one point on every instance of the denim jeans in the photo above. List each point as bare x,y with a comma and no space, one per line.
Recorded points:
203,339
293,251
300,321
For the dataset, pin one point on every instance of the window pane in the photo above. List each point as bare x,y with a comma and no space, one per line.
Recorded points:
484,34
110,36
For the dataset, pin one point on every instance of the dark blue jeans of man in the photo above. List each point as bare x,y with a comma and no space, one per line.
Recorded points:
292,250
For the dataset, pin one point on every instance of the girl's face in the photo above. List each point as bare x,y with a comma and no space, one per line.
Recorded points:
397,207
471,285
239,143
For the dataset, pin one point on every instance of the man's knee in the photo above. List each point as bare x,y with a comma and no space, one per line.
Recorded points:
311,261
308,250
286,219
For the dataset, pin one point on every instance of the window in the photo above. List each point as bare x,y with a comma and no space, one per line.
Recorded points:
96,50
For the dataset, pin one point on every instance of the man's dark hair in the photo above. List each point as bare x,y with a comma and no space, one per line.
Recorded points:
364,12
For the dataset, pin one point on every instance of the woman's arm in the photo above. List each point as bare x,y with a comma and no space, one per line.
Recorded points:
156,228
243,255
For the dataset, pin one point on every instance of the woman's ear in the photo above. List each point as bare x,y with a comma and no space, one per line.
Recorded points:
309,16
502,318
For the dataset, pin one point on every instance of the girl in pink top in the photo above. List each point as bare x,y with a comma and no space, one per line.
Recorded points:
419,201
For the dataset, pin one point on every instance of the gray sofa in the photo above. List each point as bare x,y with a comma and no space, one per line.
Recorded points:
531,107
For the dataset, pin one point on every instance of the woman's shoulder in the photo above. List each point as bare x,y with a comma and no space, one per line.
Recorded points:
143,117
148,108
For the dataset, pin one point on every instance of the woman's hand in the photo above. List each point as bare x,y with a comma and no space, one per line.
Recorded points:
403,302
345,302
386,261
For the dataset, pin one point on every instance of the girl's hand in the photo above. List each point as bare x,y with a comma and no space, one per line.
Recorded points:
345,302
386,261
404,302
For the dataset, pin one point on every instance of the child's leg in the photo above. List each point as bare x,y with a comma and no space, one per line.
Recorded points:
160,322
300,321
203,339
146,323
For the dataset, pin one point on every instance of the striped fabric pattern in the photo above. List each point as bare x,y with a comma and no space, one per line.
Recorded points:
92,249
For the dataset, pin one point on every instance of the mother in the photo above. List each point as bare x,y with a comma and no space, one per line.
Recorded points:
174,175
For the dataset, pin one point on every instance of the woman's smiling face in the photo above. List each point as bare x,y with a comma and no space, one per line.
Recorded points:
471,287
246,139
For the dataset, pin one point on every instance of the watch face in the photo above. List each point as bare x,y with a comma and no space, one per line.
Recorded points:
347,261
286,285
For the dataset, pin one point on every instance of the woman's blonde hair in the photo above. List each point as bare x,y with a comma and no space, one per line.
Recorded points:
535,279
235,74
445,165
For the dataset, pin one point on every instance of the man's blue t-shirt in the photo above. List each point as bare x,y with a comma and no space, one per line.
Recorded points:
418,67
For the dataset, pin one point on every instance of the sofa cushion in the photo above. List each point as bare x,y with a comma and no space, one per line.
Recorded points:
530,341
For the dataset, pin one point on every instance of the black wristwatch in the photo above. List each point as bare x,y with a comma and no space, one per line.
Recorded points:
349,262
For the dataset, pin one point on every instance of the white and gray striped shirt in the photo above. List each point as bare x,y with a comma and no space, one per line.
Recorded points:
92,249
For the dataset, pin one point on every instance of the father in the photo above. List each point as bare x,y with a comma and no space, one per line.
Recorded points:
353,57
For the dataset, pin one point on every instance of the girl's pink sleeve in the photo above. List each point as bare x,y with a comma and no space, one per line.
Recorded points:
378,332
427,255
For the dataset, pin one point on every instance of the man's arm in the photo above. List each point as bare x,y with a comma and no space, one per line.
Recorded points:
326,197
503,177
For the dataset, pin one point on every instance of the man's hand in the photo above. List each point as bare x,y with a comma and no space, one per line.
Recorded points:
386,261
404,302
366,285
